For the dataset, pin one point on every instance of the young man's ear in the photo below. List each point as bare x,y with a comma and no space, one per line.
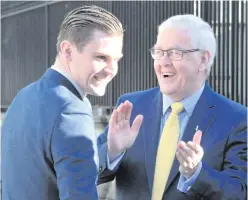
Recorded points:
68,53
65,47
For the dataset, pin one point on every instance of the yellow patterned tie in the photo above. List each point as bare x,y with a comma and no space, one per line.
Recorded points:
166,151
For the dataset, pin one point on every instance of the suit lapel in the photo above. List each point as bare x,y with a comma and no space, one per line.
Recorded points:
202,116
151,128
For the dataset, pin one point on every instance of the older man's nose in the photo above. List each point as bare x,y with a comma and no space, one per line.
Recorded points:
165,61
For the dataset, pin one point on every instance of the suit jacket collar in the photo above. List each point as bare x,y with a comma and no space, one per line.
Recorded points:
202,116
59,79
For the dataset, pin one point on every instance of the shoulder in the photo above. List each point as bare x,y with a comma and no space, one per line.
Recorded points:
229,106
53,98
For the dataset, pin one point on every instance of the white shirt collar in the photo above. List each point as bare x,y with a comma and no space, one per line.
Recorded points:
189,102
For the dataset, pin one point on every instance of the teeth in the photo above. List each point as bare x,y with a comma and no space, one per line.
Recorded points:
168,74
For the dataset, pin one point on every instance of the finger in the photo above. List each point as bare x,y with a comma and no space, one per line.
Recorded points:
181,160
119,113
181,144
129,107
190,152
194,154
194,147
112,121
137,123
191,145
124,110
186,158
197,137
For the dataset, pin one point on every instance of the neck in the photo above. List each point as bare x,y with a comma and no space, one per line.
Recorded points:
59,63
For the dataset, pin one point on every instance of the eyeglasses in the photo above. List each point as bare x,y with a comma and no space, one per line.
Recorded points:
173,54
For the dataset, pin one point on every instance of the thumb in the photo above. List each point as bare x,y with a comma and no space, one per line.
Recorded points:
197,137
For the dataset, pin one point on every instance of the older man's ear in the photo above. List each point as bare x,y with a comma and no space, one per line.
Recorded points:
204,61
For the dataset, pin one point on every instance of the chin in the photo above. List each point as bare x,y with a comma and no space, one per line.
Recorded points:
100,94
97,91
167,92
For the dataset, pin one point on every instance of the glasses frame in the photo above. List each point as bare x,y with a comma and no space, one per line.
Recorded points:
166,51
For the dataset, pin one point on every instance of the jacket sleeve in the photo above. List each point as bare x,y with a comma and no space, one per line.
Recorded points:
73,147
230,183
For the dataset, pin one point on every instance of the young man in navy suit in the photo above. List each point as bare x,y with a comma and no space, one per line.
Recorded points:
210,155
49,148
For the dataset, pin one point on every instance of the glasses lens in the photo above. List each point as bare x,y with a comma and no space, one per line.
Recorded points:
175,54
157,53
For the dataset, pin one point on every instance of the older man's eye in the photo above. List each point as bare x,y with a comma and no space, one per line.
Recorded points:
158,52
173,52
170,53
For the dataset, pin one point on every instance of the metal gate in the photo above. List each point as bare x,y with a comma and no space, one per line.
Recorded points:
29,31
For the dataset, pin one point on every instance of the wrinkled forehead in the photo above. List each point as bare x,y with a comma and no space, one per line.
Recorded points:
175,38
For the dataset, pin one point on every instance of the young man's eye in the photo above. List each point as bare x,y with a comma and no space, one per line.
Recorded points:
101,58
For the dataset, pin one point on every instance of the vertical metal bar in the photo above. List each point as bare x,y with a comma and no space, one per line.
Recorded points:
208,12
214,20
46,36
220,50
233,55
184,4
224,38
240,59
238,53
195,8
246,53
211,21
235,50
199,8
220,66
229,47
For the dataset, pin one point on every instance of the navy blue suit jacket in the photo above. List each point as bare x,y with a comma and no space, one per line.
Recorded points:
49,147
224,140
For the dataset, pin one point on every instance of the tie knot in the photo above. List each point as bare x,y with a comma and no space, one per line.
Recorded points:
177,108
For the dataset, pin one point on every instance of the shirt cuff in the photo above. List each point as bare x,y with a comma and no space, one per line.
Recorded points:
185,184
111,165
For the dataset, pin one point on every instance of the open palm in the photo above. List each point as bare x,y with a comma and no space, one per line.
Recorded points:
121,135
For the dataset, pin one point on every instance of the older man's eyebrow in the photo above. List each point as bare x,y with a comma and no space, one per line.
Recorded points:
156,46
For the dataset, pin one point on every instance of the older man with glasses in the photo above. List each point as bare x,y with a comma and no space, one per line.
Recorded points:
192,143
